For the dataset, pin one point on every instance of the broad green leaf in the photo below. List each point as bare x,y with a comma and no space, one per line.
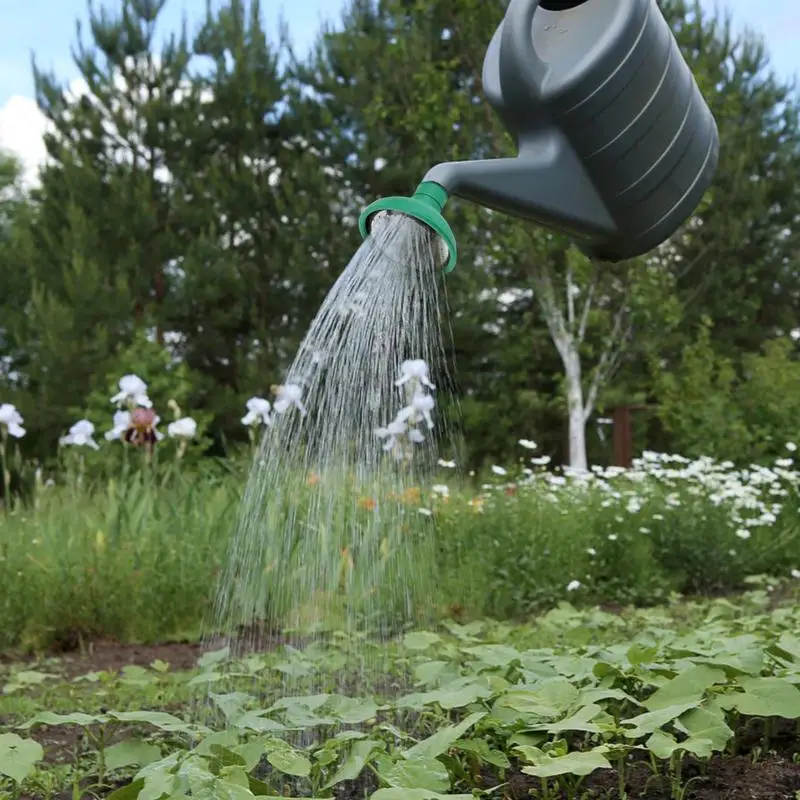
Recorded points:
158,786
663,745
480,748
226,738
18,756
645,724
129,792
494,655
687,687
76,718
765,697
254,721
639,654
421,773
581,720
231,703
442,740
429,671
131,753
216,657
353,711
158,719
458,694
251,753
134,675
790,645
357,758
578,763
589,696
24,679
420,640
312,702
289,761
549,700
701,724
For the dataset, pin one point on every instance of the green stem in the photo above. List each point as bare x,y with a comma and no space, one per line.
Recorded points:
4,469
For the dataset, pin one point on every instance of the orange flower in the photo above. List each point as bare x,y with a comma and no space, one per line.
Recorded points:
313,479
368,503
412,496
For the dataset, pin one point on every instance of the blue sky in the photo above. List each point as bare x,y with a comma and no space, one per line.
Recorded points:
47,28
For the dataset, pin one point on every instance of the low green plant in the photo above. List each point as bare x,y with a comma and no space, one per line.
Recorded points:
568,706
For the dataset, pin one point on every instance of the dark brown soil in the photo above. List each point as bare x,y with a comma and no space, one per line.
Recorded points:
111,656
724,778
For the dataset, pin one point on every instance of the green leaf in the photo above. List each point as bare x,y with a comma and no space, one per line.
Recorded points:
226,738
353,711
494,655
548,700
216,657
420,640
765,697
428,672
51,719
578,763
18,756
480,748
357,758
131,753
664,745
158,719
639,654
255,721
699,723
645,724
129,792
688,686
421,773
25,678
581,721
442,740
289,761
311,702
232,703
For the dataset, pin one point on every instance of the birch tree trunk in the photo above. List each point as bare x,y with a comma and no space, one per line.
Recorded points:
577,412
567,327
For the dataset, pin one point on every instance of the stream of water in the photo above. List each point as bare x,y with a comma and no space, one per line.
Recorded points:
333,534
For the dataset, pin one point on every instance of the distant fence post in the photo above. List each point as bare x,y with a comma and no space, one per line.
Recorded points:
623,433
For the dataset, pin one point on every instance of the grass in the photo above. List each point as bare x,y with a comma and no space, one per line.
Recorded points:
689,700
137,558
134,559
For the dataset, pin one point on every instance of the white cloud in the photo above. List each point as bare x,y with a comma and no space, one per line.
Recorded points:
22,128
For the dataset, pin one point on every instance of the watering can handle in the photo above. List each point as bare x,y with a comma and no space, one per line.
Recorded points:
518,58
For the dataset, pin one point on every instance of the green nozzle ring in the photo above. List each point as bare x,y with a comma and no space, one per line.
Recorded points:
425,206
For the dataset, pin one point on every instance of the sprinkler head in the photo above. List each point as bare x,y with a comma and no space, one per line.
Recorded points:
425,206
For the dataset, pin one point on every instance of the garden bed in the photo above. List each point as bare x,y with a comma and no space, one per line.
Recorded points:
697,701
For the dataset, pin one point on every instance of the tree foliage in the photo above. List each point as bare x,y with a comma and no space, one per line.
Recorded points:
202,191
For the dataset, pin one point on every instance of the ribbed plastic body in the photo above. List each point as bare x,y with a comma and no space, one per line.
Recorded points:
604,80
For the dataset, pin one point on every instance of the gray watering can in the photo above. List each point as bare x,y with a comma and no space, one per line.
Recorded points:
616,145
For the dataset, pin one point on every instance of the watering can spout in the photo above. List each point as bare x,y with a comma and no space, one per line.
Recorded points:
545,183
616,144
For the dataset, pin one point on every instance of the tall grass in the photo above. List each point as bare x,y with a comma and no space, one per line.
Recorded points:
137,557
133,558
